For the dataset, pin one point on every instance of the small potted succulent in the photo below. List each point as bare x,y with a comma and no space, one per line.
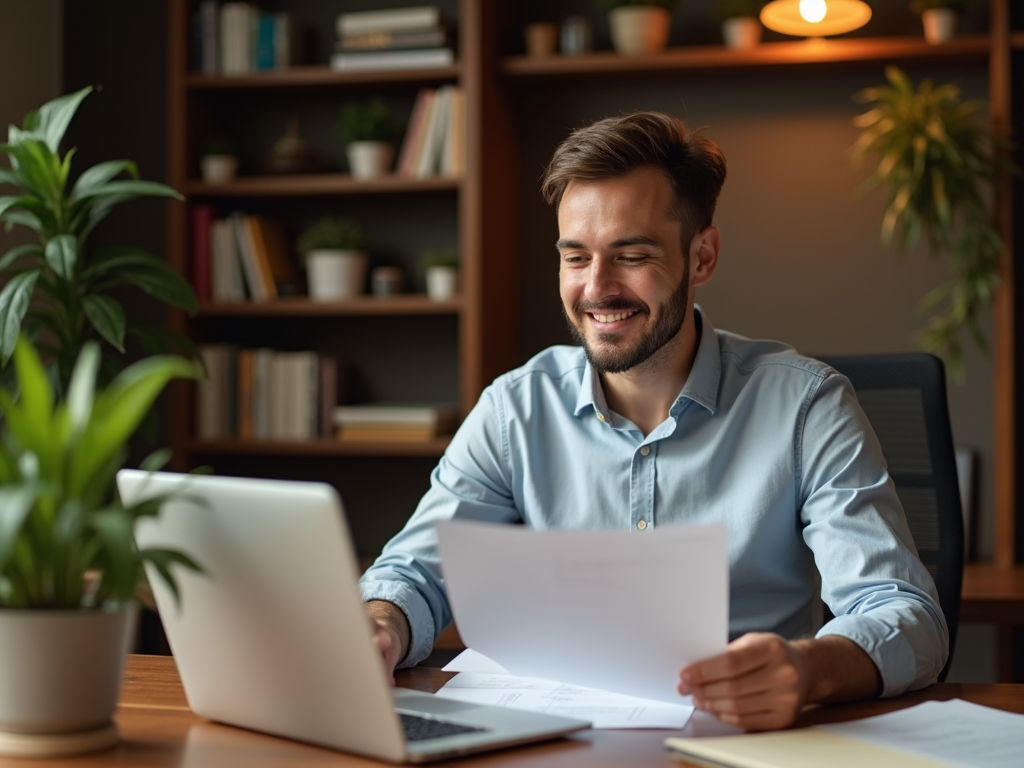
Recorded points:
938,18
218,162
741,25
639,26
441,270
69,564
334,250
369,130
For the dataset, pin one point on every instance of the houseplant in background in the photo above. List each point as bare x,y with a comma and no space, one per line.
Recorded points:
639,26
69,566
441,271
935,163
57,284
741,27
369,130
938,18
218,162
334,250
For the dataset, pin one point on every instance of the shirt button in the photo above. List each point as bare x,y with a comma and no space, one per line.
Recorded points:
600,417
642,525
645,451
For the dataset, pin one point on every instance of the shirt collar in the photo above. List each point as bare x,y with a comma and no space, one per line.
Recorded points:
701,385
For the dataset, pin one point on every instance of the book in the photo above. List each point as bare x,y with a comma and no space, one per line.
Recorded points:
379,40
387,434
211,395
429,155
200,224
226,277
208,43
287,48
440,417
254,278
274,254
261,397
421,110
246,374
419,58
453,151
392,19
263,53
258,251
235,33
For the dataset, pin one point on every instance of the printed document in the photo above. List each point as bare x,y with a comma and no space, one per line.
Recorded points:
618,611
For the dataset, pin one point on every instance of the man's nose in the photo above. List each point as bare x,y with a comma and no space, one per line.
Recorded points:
602,282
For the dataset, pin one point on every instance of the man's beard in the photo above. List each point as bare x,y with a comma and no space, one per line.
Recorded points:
671,315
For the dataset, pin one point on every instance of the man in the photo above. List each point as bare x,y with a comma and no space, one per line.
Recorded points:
658,419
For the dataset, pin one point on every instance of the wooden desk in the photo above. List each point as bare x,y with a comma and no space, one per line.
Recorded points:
993,594
158,730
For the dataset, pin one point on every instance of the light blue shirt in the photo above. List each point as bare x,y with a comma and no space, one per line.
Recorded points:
770,443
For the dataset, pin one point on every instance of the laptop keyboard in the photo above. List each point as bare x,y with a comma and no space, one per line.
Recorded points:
419,728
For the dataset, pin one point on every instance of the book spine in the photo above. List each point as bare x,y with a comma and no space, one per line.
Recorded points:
201,230
208,394
414,133
246,360
258,250
396,40
264,56
419,58
328,375
261,393
361,22
285,41
247,258
430,152
209,42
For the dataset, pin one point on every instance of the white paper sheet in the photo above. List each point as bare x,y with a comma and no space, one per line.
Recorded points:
614,610
957,732
602,709
471,661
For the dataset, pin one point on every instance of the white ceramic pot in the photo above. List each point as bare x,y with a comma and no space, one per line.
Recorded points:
639,28
61,673
369,159
218,169
442,283
335,274
742,33
939,25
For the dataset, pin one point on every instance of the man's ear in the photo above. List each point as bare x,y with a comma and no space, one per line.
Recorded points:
704,255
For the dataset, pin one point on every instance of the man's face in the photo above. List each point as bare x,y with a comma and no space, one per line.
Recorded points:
624,275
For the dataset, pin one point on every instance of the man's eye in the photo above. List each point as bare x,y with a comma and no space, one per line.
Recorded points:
631,258
572,258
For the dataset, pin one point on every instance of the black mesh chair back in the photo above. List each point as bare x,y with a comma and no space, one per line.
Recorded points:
904,396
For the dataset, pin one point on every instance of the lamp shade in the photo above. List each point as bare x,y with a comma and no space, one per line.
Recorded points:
815,18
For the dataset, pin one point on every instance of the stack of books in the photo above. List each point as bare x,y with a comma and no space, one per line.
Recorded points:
435,142
234,38
240,257
395,422
265,394
397,38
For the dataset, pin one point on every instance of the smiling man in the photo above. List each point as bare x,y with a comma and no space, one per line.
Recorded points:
656,419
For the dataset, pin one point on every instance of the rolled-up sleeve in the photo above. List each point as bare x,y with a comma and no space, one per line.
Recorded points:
470,483
882,596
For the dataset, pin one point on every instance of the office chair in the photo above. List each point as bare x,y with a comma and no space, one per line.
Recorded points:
904,396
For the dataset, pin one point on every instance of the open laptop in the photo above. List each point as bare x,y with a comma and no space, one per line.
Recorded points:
274,636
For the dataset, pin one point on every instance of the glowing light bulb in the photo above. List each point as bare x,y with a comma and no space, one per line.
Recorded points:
813,11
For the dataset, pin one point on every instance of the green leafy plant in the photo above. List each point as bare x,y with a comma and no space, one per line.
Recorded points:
935,161
920,6
331,232
66,541
738,9
441,257
612,4
371,120
56,283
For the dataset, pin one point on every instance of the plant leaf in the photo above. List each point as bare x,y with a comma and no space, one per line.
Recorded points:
82,388
15,503
62,255
132,189
92,179
14,300
17,252
164,284
53,117
107,316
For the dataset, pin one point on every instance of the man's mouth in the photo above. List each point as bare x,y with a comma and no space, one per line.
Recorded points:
612,317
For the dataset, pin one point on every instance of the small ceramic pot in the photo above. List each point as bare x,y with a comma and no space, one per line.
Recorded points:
218,169
369,159
442,283
386,281
939,25
334,275
639,29
541,39
742,33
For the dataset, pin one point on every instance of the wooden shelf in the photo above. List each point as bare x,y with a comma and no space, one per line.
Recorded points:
429,448
966,49
301,306
992,594
317,184
319,76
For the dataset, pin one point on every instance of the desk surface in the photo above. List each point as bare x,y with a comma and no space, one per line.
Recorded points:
157,729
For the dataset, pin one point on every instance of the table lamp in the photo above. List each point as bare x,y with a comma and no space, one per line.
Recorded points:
815,18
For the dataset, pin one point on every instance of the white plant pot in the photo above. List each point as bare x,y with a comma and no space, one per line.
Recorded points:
218,169
639,28
335,274
939,25
742,33
61,673
369,159
442,283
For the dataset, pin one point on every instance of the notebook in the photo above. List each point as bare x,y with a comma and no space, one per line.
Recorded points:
274,636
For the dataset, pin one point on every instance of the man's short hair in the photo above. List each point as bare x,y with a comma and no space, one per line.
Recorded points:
615,146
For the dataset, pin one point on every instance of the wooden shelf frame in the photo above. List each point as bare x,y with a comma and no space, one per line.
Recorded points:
319,77
358,306
310,184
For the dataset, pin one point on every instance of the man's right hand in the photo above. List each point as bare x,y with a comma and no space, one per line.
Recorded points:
390,633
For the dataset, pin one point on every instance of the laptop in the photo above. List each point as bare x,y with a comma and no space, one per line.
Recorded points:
274,636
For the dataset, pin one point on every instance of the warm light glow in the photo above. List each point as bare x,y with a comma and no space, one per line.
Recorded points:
813,11
815,18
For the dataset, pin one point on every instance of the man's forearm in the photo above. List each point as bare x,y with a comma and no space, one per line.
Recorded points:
837,669
392,617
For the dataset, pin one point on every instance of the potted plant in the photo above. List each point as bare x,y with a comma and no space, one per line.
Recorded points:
938,18
935,165
441,270
334,249
69,565
639,26
59,285
218,162
369,130
741,26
